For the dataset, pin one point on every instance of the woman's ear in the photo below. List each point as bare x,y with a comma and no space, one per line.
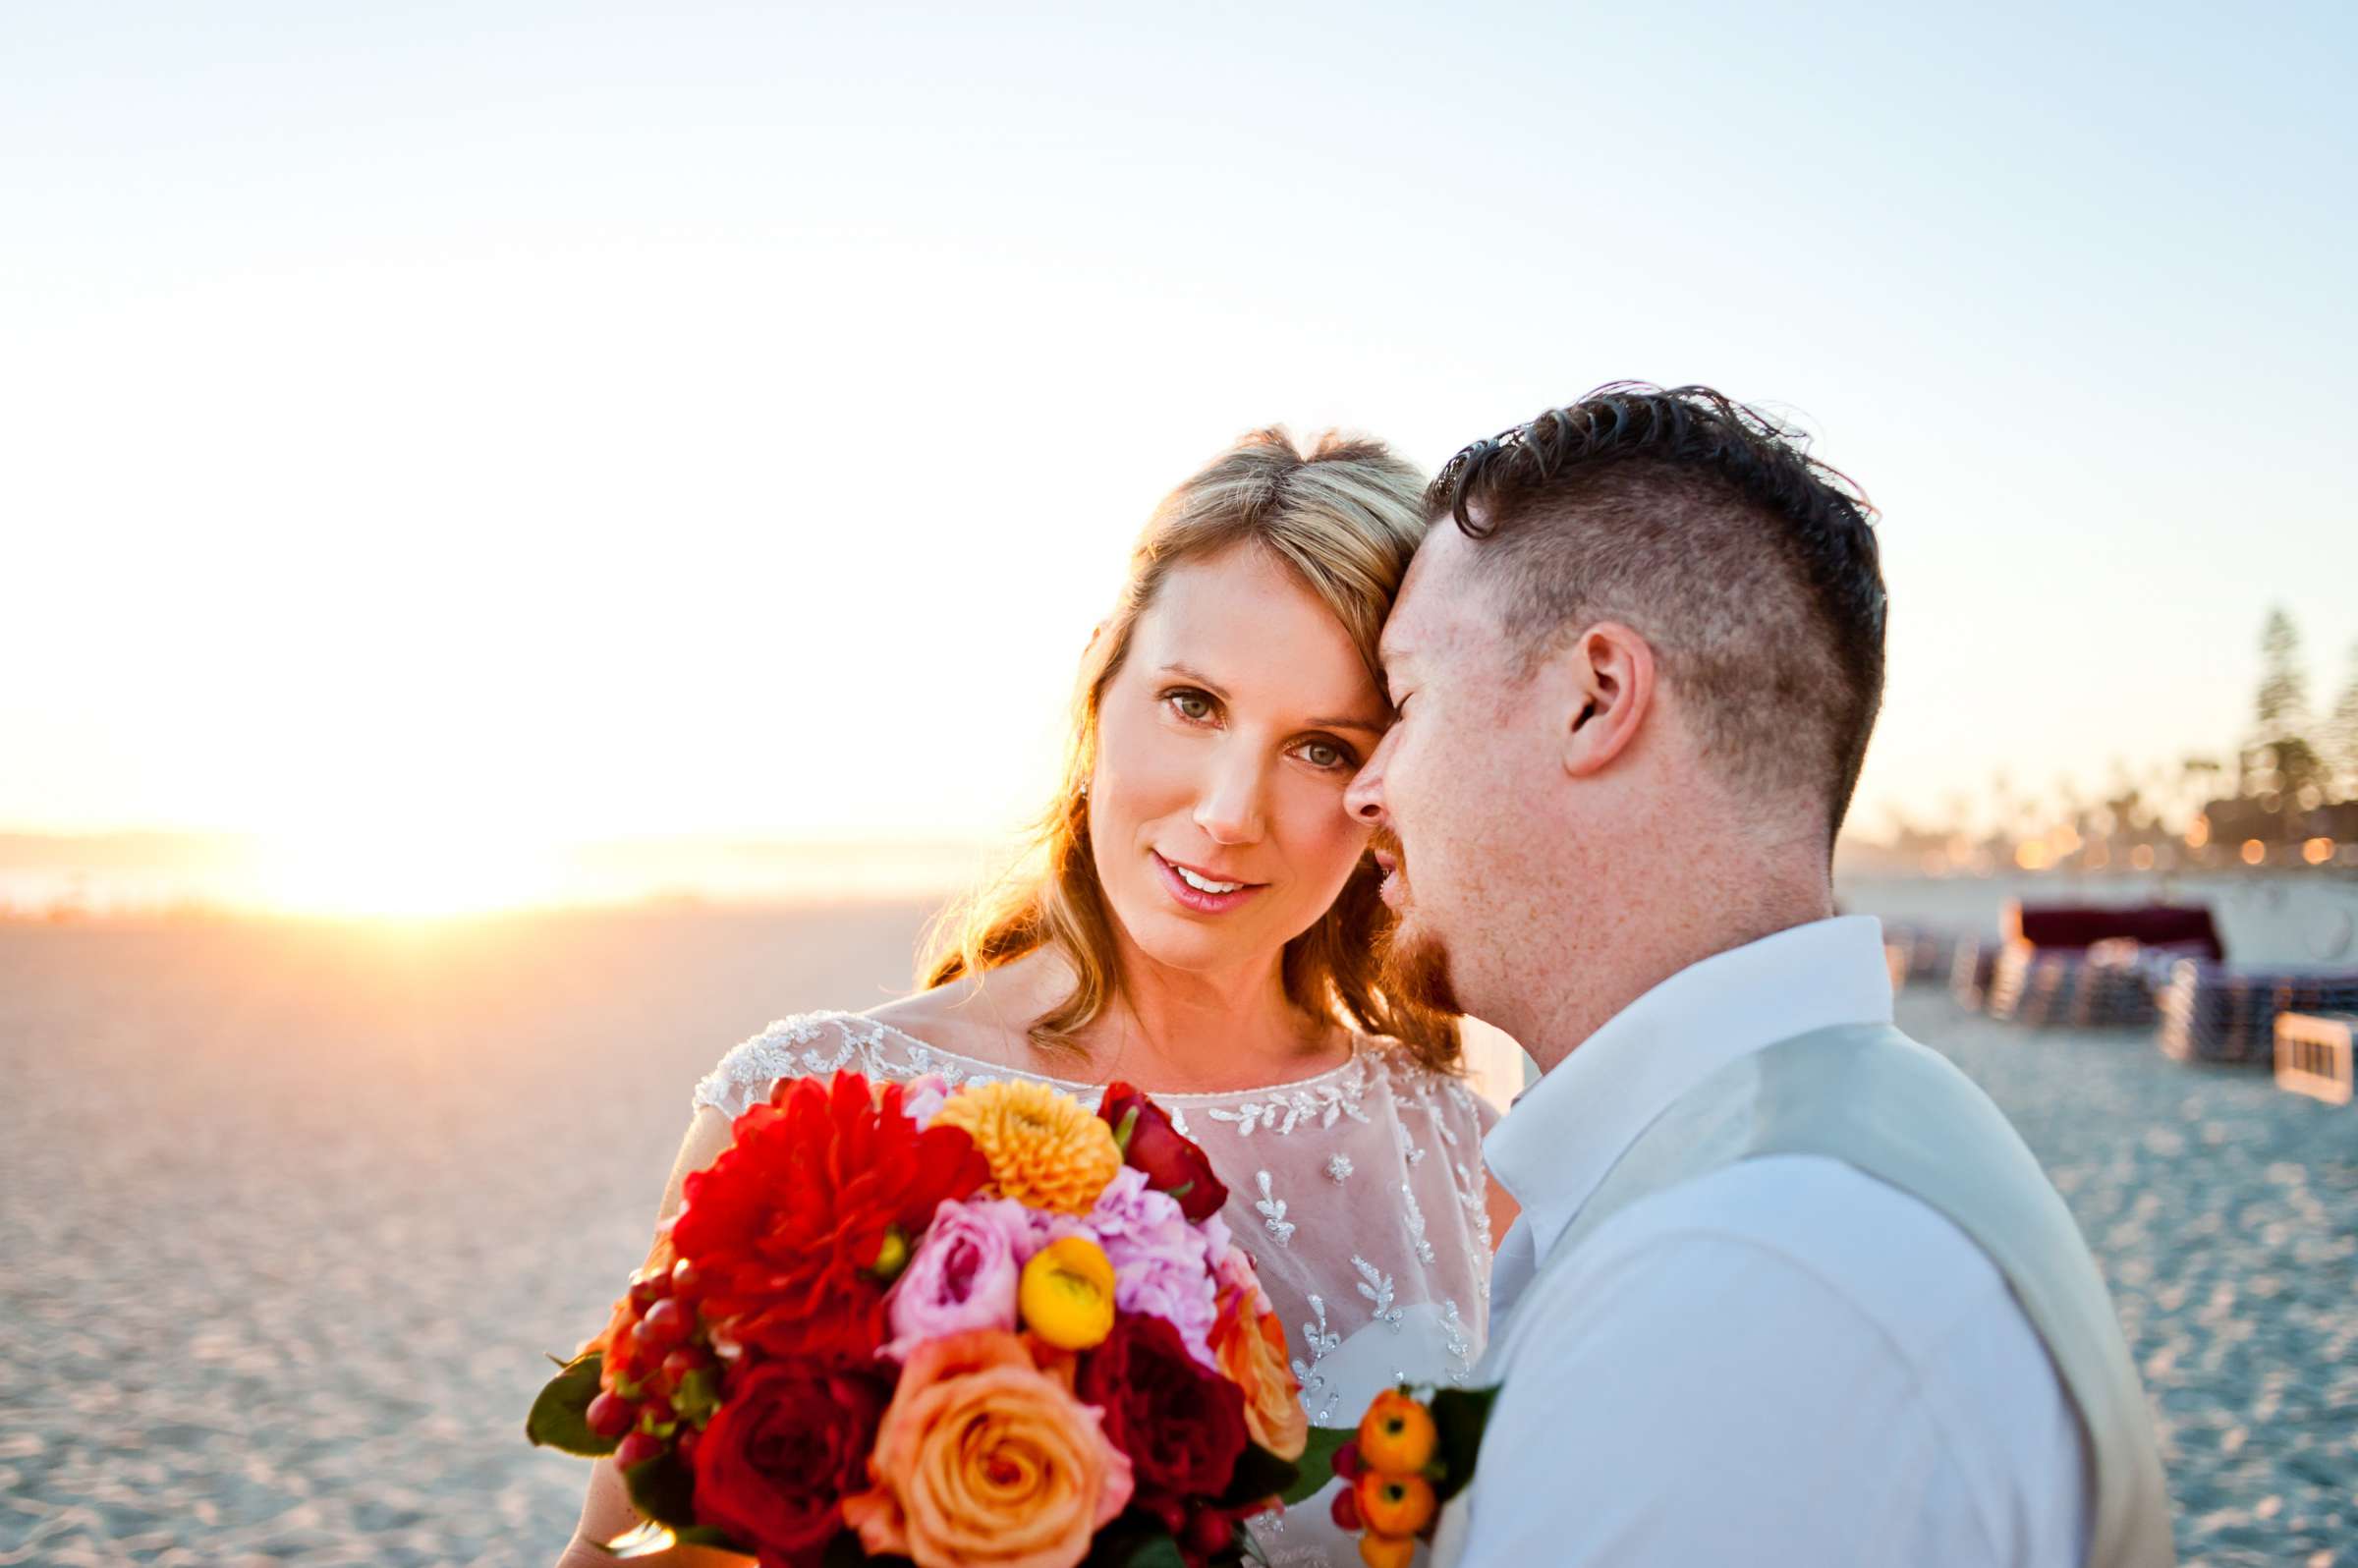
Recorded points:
1609,689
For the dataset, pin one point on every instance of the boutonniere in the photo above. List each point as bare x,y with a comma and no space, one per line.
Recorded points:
1406,1457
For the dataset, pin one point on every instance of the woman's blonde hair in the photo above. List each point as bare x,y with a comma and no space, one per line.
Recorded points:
1344,518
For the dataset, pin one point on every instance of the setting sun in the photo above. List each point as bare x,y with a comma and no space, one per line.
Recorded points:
412,873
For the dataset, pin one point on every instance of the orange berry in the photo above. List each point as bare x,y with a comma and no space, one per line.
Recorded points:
1395,1505
1396,1435
1387,1552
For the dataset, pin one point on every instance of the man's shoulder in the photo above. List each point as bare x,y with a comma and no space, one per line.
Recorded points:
1798,1225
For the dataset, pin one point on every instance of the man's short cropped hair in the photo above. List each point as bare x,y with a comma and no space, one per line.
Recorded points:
1748,565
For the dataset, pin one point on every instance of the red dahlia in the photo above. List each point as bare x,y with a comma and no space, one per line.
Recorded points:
786,1227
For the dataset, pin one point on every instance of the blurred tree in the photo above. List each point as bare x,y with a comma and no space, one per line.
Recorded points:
2283,703
2342,738
2280,762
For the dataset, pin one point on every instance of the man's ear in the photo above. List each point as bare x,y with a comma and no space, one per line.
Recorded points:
1609,690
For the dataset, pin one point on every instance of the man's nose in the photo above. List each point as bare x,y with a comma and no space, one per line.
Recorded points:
1229,810
1362,798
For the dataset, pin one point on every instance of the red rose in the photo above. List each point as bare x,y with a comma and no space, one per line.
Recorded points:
1182,1426
1171,1160
786,1446
786,1228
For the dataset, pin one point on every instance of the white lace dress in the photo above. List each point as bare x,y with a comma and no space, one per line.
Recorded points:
1359,1192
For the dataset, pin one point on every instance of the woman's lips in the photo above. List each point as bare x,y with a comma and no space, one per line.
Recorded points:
1194,898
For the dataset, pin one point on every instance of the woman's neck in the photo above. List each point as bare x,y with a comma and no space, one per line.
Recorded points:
1195,1030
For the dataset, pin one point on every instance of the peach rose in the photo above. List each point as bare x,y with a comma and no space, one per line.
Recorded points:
983,1459
1249,1343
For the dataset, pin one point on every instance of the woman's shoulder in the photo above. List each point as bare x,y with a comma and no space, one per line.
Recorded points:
956,1030
798,1045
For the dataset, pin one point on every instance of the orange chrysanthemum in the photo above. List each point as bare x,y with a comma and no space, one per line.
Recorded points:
1045,1150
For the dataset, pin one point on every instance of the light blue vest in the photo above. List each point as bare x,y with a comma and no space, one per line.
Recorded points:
1871,1097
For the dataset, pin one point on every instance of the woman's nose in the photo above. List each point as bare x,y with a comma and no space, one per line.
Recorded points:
1228,810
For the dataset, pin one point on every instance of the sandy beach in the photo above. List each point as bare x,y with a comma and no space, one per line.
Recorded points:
292,1211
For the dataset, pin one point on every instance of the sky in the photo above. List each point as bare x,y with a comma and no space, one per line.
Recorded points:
516,424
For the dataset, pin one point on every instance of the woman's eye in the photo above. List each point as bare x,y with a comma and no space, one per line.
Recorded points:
1194,707
1324,754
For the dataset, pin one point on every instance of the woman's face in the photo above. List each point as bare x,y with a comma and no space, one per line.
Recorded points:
1225,742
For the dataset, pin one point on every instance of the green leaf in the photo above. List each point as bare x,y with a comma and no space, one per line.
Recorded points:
1316,1462
1159,1552
1135,1539
1459,1415
1259,1474
560,1415
663,1488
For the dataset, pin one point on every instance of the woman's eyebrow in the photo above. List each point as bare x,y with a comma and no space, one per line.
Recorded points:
1198,676
1368,725
1364,725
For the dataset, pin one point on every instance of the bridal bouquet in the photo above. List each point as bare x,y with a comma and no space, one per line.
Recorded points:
980,1325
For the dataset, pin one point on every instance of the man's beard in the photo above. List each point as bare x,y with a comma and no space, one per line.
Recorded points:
1416,970
1414,966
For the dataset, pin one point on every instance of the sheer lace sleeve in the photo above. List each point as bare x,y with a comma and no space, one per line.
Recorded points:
805,1045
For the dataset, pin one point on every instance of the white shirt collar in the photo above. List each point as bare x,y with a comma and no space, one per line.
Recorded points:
1566,1132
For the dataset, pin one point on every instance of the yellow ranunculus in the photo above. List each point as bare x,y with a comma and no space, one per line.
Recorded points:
1045,1150
1067,1294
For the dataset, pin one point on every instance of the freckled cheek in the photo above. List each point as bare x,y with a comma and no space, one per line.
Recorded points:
1142,777
1320,839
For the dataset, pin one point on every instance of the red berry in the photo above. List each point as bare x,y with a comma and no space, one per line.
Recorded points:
665,1324
685,1360
609,1416
685,1446
637,1448
648,1289
1347,1463
1346,1510
1210,1531
684,1278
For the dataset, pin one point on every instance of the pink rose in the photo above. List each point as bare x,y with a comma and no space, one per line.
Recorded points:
963,1276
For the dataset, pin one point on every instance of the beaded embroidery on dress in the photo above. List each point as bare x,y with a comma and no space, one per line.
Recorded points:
1359,1192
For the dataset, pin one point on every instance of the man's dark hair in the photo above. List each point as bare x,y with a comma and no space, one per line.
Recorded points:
1749,565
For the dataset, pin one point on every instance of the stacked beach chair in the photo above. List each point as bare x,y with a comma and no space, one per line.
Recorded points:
1971,971
2088,966
2221,1013
1923,952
